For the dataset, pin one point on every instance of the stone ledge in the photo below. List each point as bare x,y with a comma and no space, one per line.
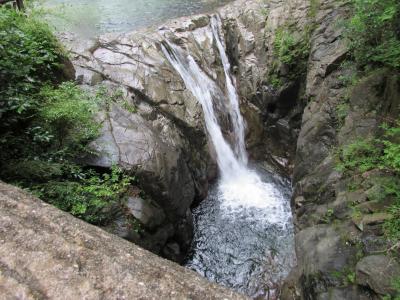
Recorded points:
48,254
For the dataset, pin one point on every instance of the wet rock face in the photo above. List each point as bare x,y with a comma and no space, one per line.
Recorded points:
296,126
164,140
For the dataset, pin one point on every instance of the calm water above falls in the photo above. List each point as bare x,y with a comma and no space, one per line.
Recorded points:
93,17
243,230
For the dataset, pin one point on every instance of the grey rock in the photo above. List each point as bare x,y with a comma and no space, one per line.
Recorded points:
147,212
48,254
377,272
352,292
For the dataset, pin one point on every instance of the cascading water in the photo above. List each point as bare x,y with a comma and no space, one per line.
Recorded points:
243,229
234,111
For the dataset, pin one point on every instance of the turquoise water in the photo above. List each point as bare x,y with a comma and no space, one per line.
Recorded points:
94,17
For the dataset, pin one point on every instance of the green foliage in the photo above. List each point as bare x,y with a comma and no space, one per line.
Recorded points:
396,287
46,126
329,216
346,275
289,49
392,226
367,154
92,198
384,154
67,118
30,56
373,33
362,155
275,81
285,46
342,111
391,142
109,96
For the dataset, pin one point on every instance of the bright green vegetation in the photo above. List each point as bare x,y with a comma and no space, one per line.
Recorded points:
347,275
396,286
291,49
93,198
384,154
46,124
374,33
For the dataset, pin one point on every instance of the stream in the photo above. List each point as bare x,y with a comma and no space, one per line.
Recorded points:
89,18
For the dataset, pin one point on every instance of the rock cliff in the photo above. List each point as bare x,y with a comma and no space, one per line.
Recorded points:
290,105
291,111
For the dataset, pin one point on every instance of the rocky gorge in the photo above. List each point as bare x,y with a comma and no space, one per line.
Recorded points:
156,129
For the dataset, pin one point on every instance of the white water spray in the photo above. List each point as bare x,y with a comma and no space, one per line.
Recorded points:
240,186
243,229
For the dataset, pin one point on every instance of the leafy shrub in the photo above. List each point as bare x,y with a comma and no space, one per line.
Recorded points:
93,198
67,118
30,56
374,33
46,126
391,156
290,49
362,155
112,95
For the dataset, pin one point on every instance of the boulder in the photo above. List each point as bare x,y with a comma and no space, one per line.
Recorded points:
378,272
48,254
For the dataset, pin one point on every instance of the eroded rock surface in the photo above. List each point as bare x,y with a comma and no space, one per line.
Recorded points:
158,130
331,238
48,254
296,125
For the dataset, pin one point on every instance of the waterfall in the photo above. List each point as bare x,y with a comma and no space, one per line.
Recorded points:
239,185
234,111
231,159
243,229
206,92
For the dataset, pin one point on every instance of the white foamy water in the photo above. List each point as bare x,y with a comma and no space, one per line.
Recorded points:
243,234
249,190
